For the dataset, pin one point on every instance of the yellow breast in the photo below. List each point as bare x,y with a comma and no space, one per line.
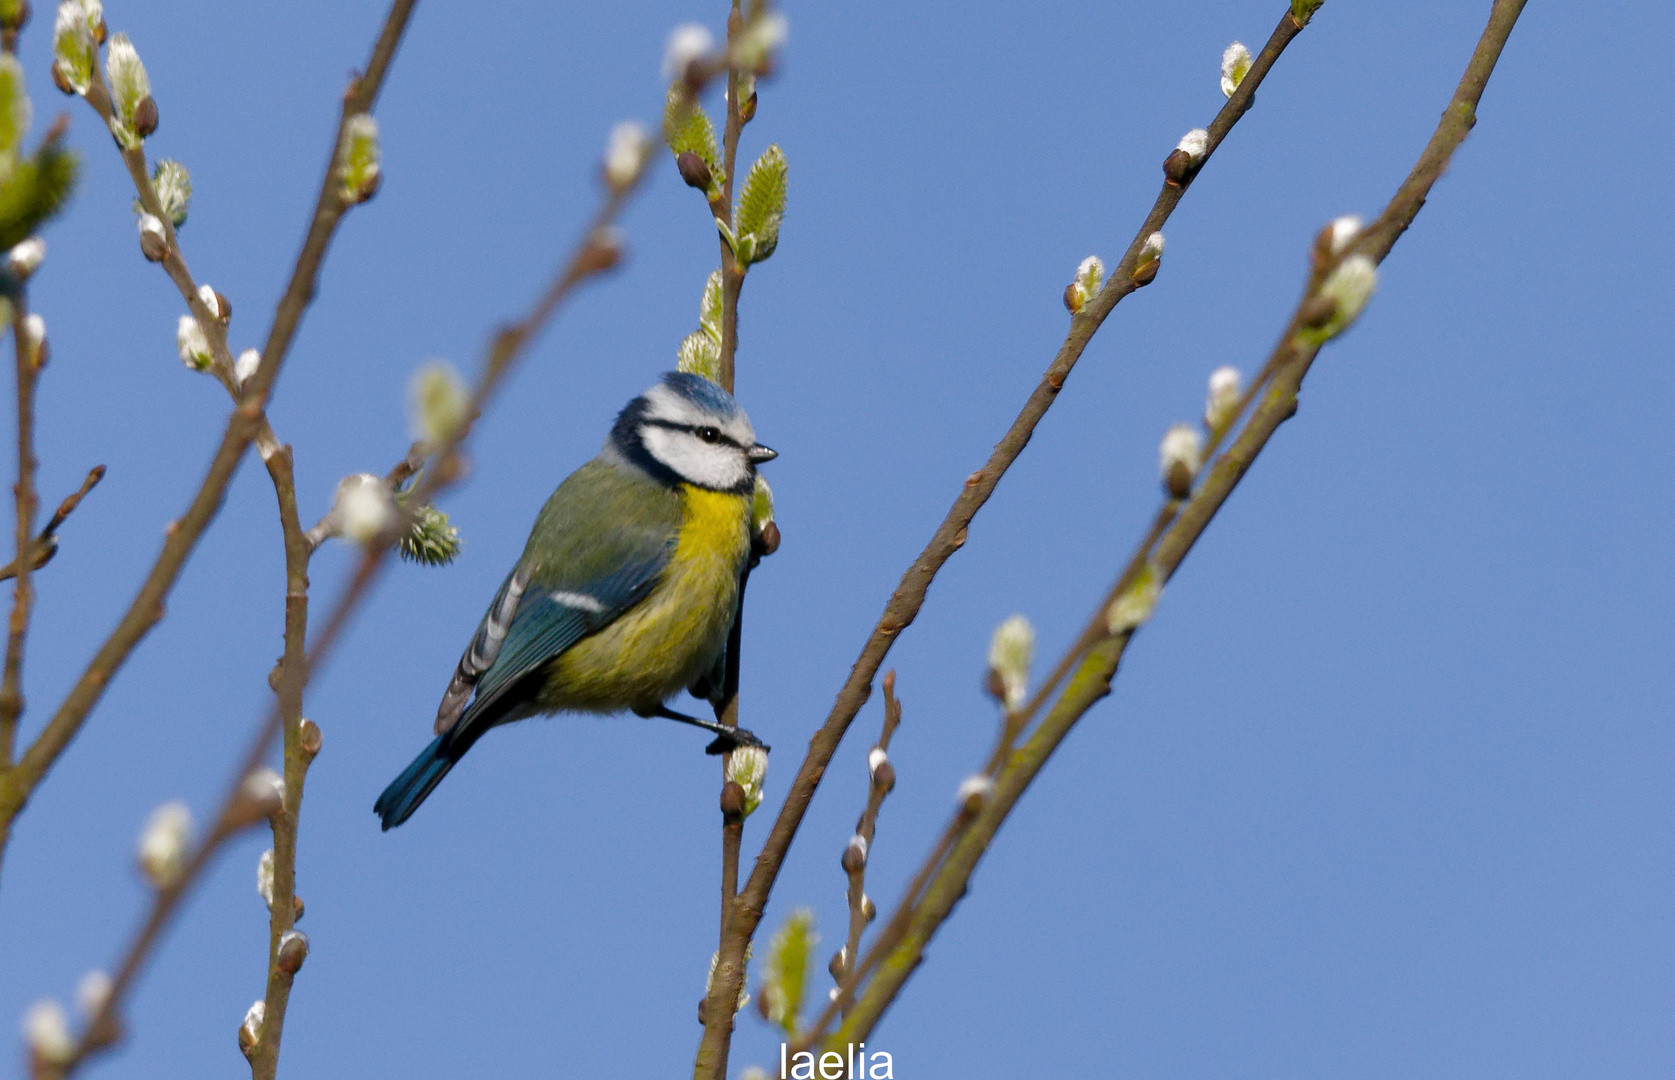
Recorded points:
676,633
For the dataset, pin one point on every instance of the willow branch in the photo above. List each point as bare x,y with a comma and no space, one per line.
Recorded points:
1290,363
880,781
292,676
27,502
46,541
950,535
243,426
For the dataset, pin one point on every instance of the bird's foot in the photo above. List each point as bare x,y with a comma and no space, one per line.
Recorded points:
730,739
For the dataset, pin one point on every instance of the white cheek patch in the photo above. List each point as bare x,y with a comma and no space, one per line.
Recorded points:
710,465
664,404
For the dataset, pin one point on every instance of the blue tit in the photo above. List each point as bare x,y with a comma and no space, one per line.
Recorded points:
627,591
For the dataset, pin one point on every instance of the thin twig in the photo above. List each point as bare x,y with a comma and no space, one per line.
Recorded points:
243,426
950,535
27,503
46,541
879,784
1290,363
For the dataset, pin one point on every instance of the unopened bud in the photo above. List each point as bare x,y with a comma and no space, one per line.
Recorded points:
250,1032
1223,398
687,45
364,508
154,242
162,848
855,855
1150,258
264,878
1348,288
297,908
1235,65
293,950
1131,610
35,338
973,792
1180,455
193,344
869,910
218,305
92,992
1183,162
839,961
732,801
1087,284
245,366
770,538
145,116
694,170
26,257
1335,238
626,154
46,1029
603,251
1010,651
310,740
748,767
875,758
261,796
359,160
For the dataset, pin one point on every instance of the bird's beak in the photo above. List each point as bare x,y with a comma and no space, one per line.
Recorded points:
759,454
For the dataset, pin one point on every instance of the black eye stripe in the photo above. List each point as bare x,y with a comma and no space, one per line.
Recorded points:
695,429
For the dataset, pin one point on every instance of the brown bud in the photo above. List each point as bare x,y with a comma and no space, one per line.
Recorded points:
223,307
854,857
60,81
154,246
293,950
765,998
1178,168
101,32
42,352
1317,311
246,1042
296,908
732,801
1179,481
18,19
145,116
310,739
370,188
701,1004
1146,272
869,910
996,685
884,777
747,110
835,968
1072,298
694,170
602,253
770,538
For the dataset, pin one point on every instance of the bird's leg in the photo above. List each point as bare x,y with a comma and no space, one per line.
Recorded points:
726,738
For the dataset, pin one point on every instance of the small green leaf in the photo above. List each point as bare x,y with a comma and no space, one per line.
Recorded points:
1303,10
762,205
687,127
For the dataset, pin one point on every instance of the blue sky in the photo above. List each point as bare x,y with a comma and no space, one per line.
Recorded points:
1383,790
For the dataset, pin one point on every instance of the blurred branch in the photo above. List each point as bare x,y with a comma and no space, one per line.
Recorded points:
909,595
246,423
1164,551
881,778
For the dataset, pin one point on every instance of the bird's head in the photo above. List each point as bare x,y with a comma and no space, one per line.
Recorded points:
686,428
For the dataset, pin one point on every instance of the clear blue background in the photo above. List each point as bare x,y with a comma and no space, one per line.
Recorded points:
1384,790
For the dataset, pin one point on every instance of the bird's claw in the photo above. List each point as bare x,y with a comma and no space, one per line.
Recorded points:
732,740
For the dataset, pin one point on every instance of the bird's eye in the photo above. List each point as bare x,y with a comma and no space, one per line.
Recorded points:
708,434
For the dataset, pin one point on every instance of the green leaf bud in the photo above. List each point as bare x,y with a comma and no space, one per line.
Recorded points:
130,87
789,955
1303,10
74,45
1131,610
761,207
359,159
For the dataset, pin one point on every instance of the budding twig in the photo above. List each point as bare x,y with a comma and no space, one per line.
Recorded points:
950,535
1163,553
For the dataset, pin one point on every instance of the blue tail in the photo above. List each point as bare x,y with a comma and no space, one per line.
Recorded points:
408,790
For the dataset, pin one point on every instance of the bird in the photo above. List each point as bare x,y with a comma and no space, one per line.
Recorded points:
628,589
